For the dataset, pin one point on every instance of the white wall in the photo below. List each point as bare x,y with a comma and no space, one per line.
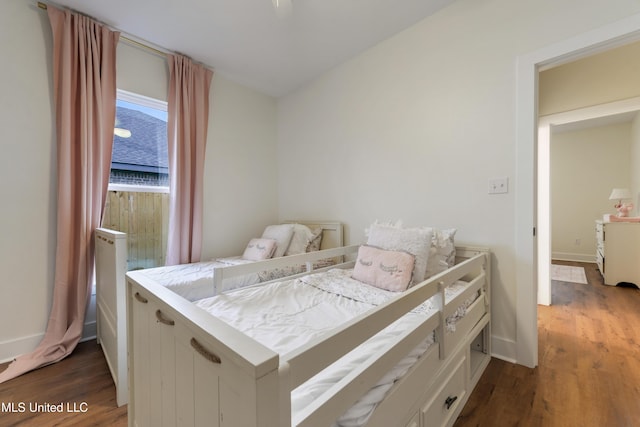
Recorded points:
414,127
241,168
27,187
241,152
585,165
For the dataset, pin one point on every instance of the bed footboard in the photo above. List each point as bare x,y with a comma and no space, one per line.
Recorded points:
111,263
187,368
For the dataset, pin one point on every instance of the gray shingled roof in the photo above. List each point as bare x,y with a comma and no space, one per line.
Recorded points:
146,150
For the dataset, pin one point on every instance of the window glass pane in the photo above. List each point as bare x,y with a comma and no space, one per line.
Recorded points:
139,146
138,197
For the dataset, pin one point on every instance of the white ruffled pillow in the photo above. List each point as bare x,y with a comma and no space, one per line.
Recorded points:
416,241
282,234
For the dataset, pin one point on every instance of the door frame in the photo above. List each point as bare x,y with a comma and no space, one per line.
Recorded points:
526,244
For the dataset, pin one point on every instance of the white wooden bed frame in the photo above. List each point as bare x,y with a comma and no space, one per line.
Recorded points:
189,368
111,303
111,267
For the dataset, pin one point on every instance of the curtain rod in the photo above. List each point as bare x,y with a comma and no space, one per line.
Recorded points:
43,6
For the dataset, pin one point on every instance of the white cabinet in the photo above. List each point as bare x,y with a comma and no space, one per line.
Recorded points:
618,252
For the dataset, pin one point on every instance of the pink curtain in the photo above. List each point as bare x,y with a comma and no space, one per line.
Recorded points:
188,118
84,89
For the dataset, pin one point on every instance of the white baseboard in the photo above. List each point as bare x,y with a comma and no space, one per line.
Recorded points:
11,349
504,349
89,332
568,256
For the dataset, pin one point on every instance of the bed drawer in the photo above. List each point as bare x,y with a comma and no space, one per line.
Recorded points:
440,410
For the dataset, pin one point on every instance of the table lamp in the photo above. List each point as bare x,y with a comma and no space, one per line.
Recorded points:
621,194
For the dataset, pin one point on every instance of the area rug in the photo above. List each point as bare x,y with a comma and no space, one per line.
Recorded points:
566,273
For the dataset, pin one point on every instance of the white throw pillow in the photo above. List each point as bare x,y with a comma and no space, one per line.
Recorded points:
282,234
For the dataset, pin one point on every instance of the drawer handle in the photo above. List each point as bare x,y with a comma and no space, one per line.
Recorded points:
450,401
162,319
204,353
141,298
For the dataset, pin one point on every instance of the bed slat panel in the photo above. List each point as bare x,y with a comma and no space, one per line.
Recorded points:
475,313
474,286
345,393
225,272
316,355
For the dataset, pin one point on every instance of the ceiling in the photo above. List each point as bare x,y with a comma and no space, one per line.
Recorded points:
249,42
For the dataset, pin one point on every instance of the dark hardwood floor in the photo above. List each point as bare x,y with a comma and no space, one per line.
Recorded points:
588,370
81,383
588,373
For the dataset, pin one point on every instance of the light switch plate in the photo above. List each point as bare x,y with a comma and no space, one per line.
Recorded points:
498,185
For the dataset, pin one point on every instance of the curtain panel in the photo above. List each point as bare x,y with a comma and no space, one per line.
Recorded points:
84,90
188,118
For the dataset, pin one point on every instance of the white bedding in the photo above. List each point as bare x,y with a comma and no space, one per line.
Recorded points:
287,314
195,281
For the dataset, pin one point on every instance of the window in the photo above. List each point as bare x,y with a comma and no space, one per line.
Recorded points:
138,197
140,152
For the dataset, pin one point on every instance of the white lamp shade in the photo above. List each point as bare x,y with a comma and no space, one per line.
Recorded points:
620,194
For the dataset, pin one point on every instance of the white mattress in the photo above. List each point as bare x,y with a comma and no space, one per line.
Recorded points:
287,314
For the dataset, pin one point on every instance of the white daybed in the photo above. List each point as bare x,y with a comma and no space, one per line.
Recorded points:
188,367
193,281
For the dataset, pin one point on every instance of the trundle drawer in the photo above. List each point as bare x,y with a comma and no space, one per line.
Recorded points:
446,400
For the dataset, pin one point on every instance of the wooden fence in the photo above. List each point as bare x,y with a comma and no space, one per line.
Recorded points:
144,217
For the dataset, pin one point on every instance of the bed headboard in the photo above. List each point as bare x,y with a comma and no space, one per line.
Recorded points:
332,232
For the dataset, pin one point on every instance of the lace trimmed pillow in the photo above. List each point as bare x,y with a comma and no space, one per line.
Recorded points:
389,270
316,240
302,236
259,249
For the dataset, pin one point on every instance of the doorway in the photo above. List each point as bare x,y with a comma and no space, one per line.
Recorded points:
527,230
605,113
